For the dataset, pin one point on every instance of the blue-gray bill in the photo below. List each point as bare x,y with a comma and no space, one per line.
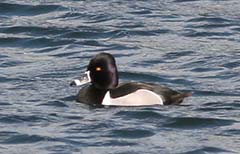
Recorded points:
84,79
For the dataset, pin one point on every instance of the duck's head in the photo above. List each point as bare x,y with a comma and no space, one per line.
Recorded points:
101,72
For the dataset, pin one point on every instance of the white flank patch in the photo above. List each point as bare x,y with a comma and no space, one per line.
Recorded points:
141,97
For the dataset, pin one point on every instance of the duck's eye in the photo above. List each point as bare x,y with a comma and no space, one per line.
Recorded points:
98,69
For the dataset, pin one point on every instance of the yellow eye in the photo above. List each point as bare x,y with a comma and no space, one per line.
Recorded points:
98,69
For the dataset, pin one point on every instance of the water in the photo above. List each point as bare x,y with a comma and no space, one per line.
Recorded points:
188,45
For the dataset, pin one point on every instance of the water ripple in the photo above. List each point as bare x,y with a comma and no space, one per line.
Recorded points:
33,30
208,149
139,115
182,1
27,10
23,139
197,123
131,133
31,42
209,20
11,119
54,103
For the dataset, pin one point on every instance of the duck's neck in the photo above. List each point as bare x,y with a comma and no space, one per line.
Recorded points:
98,95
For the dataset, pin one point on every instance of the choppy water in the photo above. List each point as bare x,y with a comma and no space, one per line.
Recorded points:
189,45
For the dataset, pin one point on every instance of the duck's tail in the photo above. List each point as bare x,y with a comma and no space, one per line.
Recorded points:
178,98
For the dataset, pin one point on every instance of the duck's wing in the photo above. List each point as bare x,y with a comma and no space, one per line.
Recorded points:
170,97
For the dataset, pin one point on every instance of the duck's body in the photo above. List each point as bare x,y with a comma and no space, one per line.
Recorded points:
144,94
105,90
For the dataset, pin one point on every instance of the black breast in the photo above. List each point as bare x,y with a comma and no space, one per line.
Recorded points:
91,95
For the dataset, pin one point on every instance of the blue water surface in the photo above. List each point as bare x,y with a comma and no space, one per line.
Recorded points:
188,45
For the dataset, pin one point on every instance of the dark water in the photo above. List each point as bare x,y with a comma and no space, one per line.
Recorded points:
188,45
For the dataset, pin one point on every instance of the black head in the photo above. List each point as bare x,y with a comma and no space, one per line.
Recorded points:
103,71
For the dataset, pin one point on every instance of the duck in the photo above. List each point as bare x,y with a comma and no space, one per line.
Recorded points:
101,87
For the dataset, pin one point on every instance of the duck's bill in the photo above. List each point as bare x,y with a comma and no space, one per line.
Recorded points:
82,81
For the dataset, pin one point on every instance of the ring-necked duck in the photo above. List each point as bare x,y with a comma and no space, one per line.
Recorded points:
104,89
